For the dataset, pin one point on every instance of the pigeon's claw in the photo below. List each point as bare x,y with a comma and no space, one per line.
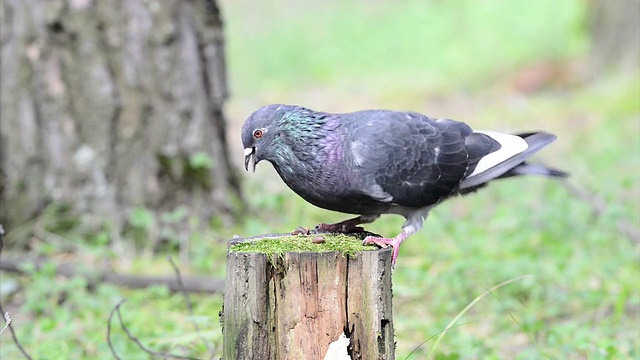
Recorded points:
394,242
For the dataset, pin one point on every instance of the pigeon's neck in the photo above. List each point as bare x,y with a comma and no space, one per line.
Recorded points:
302,123
289,163
309,150
303,158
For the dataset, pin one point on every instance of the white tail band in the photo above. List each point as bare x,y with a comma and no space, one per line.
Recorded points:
510,146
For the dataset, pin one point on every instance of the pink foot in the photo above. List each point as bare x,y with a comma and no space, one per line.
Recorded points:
384,242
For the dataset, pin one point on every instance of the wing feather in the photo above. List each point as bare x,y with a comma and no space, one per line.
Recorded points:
416,160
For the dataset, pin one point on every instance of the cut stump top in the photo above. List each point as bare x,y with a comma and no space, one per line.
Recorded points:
271,244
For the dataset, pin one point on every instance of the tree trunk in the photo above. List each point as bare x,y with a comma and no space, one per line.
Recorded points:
298,305
109,106
615,34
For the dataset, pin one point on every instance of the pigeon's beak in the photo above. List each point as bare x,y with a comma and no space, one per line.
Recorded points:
250,158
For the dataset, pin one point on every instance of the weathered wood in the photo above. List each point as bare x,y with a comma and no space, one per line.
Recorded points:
295,305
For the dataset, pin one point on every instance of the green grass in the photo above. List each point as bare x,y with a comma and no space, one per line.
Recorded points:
579,254
60,319
415,45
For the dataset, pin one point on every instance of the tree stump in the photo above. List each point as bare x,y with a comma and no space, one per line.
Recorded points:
294,305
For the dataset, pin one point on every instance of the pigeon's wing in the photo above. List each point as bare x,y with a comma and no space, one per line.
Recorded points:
406,158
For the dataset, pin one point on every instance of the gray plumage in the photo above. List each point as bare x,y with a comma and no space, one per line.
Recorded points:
376,162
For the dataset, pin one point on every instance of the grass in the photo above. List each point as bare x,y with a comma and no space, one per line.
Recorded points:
458,59
421,43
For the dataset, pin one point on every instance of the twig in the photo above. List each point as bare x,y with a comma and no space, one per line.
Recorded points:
7,317
187,299
13,334
182,289
165,355
113,311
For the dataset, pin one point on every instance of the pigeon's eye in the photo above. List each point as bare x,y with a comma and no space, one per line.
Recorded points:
257,133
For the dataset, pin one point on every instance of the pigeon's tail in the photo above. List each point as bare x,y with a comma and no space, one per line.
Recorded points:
507,158
526,168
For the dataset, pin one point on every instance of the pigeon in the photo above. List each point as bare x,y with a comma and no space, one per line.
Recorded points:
375,162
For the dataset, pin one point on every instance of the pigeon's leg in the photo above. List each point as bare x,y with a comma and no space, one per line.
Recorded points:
348,226
394,242
411,226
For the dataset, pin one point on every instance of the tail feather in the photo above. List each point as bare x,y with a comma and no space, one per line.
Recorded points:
516,165
526,168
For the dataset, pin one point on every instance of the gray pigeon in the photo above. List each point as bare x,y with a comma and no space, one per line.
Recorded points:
377,162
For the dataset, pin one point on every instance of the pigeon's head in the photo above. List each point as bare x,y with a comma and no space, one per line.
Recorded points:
259,132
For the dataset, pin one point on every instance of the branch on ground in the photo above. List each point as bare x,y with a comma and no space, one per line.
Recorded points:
187,300
189,284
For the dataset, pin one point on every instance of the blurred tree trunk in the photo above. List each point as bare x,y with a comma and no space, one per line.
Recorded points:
108,106
615,34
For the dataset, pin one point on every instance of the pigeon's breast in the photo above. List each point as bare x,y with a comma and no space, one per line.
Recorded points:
335,193
325,180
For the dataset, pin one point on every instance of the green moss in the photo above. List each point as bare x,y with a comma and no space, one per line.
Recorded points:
348,245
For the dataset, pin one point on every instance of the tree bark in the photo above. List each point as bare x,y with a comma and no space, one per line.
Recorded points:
112,105
615,34
297,305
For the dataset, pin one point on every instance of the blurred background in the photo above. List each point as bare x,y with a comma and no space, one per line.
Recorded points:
120,146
